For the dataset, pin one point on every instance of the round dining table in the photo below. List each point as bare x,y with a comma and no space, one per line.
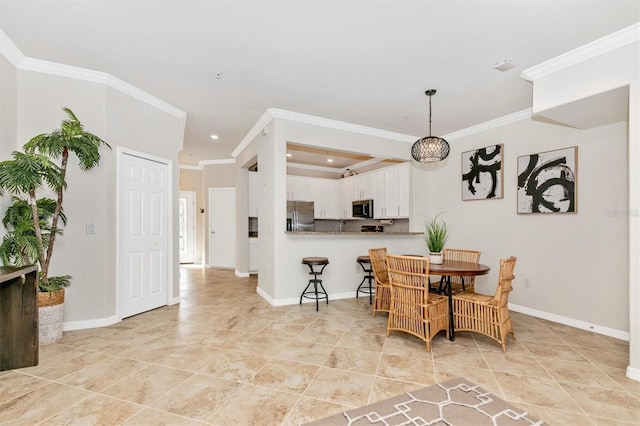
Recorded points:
450,268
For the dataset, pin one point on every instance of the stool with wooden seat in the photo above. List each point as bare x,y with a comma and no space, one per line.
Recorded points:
318,291
365,262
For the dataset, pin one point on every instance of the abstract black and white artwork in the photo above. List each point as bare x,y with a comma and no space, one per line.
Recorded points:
482,173
547,182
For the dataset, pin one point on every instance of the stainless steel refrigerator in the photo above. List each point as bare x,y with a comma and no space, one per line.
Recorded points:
300,216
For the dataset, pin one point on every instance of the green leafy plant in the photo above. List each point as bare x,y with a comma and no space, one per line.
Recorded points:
32,220
436,233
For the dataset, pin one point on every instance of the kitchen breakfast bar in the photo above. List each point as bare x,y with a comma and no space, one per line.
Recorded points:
343,274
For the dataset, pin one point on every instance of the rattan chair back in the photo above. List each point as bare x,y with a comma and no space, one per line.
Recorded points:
382,300
413,309
462,255
484,314
501,297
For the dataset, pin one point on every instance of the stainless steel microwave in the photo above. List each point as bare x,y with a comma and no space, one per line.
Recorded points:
363,208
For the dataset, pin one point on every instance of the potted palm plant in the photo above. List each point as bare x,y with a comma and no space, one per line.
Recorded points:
33,220
436,234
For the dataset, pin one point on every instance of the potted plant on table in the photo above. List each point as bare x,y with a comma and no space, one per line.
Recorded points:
436,234
33,220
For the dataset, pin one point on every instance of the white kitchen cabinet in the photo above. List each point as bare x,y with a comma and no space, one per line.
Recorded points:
253,255
391,191
404,190
379,195
362,187
324,194
297,188
253,194
345,194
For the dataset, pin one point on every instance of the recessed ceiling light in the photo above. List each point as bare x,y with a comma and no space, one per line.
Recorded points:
288,154
329,160
214,137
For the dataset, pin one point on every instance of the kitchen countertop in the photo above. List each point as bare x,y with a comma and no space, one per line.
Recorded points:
351,233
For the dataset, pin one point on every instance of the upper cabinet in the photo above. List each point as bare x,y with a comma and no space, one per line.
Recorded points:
362,187
391,189
324,194
345,191
253,194
297,188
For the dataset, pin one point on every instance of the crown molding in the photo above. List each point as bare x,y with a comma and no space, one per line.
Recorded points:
365,163
597,47
340,125
272,113
189,167
491,124
256,129
9,50
201,164
314,167
52,68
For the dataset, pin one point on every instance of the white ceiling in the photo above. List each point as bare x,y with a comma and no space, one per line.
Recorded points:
366,62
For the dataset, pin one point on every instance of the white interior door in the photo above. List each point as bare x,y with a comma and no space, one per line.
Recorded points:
187,220
222,227
143,229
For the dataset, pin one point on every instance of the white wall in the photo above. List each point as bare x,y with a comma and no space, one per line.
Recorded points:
591,72
281,276
260,149
33,93
141,127
576,263
8,119
120,120
40,101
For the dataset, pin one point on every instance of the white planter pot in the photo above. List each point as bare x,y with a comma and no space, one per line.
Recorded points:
50,323
435,258
50,317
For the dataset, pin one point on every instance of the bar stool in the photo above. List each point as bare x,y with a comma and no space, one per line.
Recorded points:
365,262
316,294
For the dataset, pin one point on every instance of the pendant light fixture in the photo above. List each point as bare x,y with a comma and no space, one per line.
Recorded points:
430,149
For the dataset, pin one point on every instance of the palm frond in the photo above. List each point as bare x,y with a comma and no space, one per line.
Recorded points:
55,283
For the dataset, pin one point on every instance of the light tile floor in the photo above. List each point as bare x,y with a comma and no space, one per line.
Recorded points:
224,356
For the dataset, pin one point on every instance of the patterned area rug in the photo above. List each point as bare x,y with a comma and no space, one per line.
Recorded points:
454,402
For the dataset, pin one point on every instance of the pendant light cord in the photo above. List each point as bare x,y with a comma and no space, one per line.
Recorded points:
429,115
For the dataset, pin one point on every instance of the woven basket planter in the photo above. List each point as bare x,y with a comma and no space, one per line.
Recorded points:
50,316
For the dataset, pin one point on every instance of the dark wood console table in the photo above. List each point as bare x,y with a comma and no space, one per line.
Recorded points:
18,317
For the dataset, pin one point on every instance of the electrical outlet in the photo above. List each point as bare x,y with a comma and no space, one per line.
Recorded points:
526,282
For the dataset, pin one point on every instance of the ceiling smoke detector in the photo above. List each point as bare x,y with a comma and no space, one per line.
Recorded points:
503,65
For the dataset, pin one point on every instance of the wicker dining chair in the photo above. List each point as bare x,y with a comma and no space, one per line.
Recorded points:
382,300
413,309
458,283
488,315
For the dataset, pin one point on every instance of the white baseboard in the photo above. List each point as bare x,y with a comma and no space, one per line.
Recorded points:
265,296
174,301
583,325
242,274
633,373
94,323
296,300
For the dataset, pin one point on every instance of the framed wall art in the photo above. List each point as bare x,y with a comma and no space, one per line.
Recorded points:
548,182
482,173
